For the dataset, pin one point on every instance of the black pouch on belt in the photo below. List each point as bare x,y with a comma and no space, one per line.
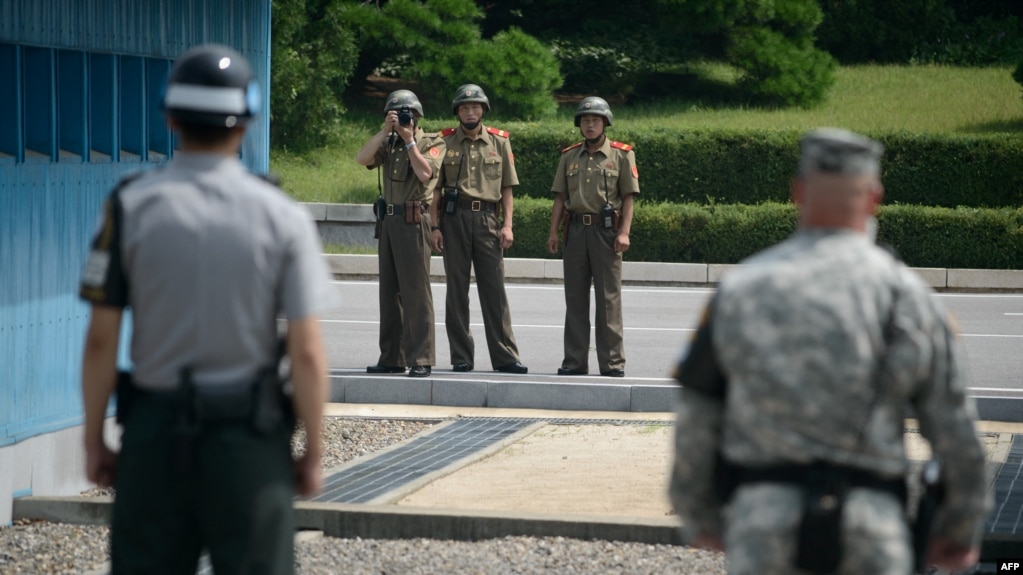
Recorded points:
819,547
450,200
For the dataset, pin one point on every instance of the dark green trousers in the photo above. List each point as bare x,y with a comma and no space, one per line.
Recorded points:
589,260
235,501
472,240
407,331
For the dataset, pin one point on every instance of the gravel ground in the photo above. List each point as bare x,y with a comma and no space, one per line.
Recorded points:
48,548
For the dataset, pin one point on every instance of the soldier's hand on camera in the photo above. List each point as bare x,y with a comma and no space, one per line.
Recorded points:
406,133
621,243
552,244
391,121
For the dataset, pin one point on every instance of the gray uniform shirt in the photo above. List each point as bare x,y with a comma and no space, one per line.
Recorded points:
210,256
820,339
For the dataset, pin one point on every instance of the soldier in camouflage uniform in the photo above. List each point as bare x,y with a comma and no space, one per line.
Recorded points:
809,354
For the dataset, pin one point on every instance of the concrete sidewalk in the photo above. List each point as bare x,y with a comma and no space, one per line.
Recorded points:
588,475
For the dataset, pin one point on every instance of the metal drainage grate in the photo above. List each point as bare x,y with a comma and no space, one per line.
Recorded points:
1008,492
387,471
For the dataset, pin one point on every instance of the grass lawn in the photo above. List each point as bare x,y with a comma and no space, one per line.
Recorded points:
869,99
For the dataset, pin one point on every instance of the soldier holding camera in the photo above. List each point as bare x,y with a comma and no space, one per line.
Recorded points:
409,162
593,198
475,188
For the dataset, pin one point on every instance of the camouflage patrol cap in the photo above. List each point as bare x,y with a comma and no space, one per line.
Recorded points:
837,151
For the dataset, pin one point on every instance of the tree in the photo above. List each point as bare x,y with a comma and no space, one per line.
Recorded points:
312,58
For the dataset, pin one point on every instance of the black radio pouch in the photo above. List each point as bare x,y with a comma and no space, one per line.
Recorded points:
819,547
450,200
380,209
607,217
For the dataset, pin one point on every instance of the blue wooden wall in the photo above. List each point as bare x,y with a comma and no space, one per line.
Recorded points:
80,83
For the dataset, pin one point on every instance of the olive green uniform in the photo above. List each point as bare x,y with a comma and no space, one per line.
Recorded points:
589,181
407,331
479,168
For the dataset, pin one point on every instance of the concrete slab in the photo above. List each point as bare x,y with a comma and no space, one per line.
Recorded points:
554,269
657,272
655,398
935,277
317,211
716,271
523,268
985,279
604,397
387,389
461,392
350,213
353,264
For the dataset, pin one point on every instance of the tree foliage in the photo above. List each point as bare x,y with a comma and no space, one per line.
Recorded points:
312,58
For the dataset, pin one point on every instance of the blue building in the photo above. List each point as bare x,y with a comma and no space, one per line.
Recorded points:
80,88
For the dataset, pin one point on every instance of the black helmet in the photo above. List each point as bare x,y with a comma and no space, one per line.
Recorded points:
399,98
212,85
468,93
596,106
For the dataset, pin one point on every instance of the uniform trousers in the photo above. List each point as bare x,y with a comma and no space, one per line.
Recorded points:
589,258
471,240
763,519
407,331
235,500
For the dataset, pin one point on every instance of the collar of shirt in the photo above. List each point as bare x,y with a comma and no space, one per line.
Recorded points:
484,135
605,149
206,161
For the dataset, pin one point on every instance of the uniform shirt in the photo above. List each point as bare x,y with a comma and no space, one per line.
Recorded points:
480,168
820,339
207,256
591,180
400,181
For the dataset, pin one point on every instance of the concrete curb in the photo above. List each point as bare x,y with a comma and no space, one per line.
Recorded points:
352,266
355,387
392,522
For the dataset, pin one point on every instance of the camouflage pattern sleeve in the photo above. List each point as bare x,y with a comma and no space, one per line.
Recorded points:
946,418
697,440
698,425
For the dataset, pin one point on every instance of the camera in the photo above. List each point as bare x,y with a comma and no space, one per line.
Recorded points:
404,116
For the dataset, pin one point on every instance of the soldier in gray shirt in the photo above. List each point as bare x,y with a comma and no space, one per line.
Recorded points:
796,385
207,256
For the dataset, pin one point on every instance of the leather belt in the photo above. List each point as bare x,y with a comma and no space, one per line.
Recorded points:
399,209
586,219
476,205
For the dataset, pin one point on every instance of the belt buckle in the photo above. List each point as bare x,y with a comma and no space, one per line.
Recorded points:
390,209
587,219
476,205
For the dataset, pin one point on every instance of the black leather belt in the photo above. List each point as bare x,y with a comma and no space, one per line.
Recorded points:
586,219
476,205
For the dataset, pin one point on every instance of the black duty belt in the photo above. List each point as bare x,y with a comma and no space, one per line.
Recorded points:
399,209
586,219
476,205
224,403
815,473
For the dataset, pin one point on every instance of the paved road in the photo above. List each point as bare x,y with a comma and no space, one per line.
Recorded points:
658,323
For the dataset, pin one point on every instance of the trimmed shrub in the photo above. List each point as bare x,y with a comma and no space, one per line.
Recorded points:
753,167
726,234
781,70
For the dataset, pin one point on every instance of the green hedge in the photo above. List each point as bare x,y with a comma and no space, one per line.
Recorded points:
727,233
754,167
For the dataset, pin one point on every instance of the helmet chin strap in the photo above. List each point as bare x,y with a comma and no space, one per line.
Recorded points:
595,141
470,126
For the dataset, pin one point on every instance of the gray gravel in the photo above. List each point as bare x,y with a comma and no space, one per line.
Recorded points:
50,548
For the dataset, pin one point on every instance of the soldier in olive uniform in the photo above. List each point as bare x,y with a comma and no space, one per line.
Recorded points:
208,257
799,378
593,195
410,161
475,228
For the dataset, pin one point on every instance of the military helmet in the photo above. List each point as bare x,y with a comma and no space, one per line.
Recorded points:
212,85
399,98
596,106
470,93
